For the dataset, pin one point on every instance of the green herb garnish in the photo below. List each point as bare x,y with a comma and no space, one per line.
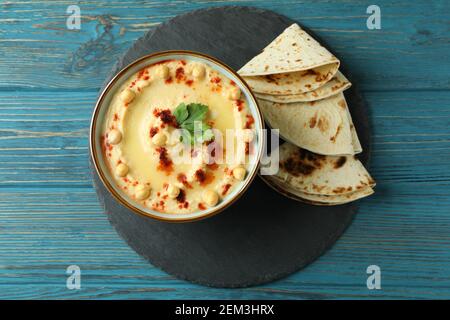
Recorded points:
192,118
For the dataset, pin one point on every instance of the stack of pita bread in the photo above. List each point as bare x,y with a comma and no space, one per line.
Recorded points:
300,92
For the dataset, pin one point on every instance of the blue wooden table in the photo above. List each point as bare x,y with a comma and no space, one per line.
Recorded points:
50,217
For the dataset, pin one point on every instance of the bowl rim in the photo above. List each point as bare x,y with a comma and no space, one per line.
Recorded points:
93,151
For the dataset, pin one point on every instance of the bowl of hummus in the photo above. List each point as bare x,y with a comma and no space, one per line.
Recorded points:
176,136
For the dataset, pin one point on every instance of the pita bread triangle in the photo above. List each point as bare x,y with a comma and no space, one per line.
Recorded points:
323,126
293,63
337,84
320,179
293,50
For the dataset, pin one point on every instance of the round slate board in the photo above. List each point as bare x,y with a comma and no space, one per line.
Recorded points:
263,236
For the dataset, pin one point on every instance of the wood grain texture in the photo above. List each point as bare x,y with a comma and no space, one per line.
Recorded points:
50,217
38,51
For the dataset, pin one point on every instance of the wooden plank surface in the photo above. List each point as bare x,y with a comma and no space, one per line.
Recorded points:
38,51
50,217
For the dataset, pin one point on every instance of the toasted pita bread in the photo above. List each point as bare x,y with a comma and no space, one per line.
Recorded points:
315,199
321,126
293,50
293,83
338,84
293,63
357,148
323,180
322,175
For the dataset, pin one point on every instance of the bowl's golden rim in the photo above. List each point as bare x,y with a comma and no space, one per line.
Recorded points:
94,153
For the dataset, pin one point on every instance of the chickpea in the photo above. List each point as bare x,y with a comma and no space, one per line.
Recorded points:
173,191
239,173
143,83
162,72
159,139
198,71
234,94
127,95
210,197
114,136
121,169
142,192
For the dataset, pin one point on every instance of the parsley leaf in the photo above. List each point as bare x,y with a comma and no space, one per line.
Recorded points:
192,117
181,113
197,112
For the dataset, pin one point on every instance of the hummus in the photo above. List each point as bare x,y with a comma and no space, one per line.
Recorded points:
154,154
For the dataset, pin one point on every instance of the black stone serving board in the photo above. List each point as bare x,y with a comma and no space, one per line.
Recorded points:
263,236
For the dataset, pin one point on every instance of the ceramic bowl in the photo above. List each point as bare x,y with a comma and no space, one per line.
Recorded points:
100,111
